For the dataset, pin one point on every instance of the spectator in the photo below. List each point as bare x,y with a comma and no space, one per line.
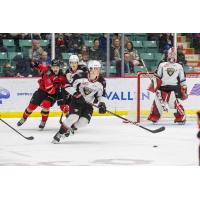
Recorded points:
115,52
8,71
95,52
103,42
118,36
180,55
134,57
128,65
16,37
36,51
2,48
44,59
153,36
36,36
196,42
80,57
165,42
84,49
31,36
60,42
75,43
85,58
66,37
45,36
22,66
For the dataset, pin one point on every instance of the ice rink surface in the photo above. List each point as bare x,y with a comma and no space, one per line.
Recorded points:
105,141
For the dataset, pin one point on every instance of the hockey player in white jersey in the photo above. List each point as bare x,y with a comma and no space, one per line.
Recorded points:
169,85
75,70
83,92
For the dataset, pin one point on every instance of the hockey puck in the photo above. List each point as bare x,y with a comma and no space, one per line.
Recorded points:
155,146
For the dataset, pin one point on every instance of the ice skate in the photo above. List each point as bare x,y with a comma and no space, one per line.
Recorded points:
21,121
56,138
42,124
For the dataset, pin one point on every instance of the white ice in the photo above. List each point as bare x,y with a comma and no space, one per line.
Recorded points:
105,141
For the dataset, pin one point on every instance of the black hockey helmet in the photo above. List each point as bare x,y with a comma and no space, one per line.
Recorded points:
55,62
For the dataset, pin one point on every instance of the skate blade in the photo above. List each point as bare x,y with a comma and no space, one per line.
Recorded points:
54,142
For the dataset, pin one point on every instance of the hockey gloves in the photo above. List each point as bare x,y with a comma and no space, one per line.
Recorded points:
79,98
34,64
184,95
102,107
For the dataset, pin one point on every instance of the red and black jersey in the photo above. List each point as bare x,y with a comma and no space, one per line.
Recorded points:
49,82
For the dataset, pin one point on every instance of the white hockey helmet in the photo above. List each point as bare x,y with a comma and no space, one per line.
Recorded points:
94,64
73,58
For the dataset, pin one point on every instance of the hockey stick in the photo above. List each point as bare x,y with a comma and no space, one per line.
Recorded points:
134,123
60,120
28,138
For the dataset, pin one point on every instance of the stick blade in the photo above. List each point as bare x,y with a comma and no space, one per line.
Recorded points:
158,130
29,138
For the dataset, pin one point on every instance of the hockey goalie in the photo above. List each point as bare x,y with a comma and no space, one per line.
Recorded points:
169,85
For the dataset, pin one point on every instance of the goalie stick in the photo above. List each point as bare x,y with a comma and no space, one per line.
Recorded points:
28,138
134,123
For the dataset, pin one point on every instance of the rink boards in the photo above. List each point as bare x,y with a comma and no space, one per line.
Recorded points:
121,96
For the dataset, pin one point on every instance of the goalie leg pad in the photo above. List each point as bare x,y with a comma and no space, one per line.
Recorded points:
180,114
161,100
155,113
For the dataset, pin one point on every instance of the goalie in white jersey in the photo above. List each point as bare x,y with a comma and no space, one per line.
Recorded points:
169,85
83,92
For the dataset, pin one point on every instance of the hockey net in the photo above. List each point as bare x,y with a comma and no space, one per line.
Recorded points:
145,98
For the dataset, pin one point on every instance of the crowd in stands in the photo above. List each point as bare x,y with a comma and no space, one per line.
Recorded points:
76,43
194,39
87,47
20,64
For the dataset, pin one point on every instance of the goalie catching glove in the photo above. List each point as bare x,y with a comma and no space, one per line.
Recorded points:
184,94
102,107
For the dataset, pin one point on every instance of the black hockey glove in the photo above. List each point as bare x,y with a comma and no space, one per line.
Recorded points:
79,98
34,64
102,107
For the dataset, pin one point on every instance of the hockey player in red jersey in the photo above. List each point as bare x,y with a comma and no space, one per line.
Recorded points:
169,85
84,91
51,84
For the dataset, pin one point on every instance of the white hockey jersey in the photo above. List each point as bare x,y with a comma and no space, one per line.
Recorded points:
171,74
72,76
89,90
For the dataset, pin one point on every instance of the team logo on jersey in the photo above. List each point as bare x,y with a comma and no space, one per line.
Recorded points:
170,71
87,90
